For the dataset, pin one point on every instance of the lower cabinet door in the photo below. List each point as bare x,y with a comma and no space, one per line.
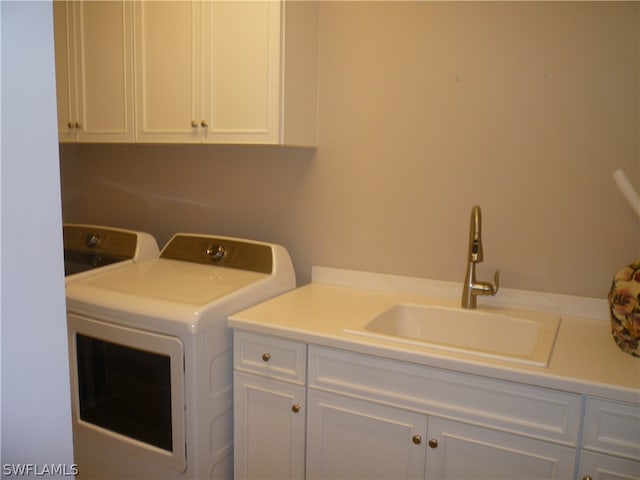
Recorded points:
597,466
269,425
461,451
349,438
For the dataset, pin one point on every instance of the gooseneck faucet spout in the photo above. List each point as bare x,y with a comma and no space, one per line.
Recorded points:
473,288
475,236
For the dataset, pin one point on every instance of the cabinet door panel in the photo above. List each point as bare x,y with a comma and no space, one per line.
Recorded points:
608,467
469,452
105,99
63,37
612,427
94,70
350,438
242,84
269,435
167,70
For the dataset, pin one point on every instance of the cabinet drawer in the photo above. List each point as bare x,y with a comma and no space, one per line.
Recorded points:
612,427
272,357
518,408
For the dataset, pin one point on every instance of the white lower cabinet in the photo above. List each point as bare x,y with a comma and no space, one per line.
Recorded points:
611,441
269,428
306,411
596,466
269,407
463,451
352,438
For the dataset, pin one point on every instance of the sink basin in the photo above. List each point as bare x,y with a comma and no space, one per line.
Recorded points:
514,336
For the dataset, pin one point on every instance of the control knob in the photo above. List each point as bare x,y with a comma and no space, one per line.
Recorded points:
92,240
216,252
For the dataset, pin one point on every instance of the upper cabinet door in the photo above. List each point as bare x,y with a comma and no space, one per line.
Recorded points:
260,72
65,71
93,42
242,54
168,71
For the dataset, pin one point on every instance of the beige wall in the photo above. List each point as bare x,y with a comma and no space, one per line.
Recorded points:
426,108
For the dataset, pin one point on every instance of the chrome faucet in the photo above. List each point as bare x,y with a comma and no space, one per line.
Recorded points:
473,288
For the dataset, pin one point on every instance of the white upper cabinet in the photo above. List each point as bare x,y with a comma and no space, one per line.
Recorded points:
226,72
168,58
187,71
242,85
94,71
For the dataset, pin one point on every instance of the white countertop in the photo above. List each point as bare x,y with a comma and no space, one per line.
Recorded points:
585,359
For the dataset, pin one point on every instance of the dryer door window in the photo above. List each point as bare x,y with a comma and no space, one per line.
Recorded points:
125,390
128,390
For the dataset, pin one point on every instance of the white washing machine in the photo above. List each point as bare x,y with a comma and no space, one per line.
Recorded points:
89,249
151,357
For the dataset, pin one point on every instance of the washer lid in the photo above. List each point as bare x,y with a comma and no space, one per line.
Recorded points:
174,281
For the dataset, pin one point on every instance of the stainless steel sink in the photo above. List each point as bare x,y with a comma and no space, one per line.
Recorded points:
515,336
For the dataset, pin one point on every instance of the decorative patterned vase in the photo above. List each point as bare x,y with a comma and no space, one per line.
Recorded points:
624,305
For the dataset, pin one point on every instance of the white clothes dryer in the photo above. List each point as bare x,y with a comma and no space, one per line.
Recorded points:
151,357
89,249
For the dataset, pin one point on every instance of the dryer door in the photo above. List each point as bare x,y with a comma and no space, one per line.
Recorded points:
128,391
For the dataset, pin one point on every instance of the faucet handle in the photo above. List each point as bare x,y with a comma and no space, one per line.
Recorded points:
496,279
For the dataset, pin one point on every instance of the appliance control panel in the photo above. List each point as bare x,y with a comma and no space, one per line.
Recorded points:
98,240
220,251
